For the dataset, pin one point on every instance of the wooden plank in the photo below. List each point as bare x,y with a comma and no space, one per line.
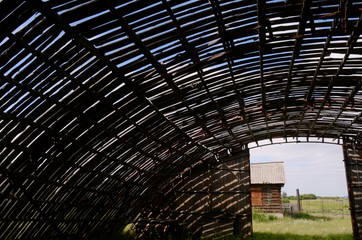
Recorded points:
256,196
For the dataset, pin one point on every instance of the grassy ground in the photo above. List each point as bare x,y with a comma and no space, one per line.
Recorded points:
293,227
289,236
325,206
302,226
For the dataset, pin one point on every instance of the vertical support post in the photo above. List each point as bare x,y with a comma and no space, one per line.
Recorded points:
249,193
209,200
243,222
352,153
298,201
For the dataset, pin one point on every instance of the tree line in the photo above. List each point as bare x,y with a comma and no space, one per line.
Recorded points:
302,197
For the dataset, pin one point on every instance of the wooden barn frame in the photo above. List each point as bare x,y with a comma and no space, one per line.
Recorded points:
108,108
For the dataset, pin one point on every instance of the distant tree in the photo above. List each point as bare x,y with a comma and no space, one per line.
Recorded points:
308,196
284,195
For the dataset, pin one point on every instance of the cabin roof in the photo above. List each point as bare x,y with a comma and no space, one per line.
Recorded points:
267,173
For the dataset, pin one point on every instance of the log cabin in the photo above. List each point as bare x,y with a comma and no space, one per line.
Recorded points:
267,179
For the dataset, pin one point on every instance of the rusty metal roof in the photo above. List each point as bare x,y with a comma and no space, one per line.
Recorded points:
267,173
104,104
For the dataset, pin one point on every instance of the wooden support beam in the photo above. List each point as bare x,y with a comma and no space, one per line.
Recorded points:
316,72
69,138
19,185
344,105
353,39
304,16
351,44
225,124
348,126
60,221
326,95
314,79
159,68
53,16
212,192
78,83
196,60
297,44
82,145
261,5
244,116
229,47
226,41
84,169
352,155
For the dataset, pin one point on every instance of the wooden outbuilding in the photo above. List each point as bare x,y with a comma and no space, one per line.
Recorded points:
266,182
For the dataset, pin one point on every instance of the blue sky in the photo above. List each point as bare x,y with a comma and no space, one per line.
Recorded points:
311,167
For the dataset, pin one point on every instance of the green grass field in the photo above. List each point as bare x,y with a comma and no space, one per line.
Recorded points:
338,206
302,227
305,227
289,236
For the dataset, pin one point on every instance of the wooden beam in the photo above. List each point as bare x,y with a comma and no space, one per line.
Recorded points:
261,5
192,52
53,16
353,39
349,125
344,105
228,47
326,95
297,44
159,68
314,79
304,16
19,185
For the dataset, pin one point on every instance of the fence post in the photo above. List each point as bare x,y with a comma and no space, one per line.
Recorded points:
298,201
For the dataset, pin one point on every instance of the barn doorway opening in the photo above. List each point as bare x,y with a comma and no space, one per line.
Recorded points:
311,167
318,171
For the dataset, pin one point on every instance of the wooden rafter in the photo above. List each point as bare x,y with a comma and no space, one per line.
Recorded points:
352,42
262,45
159,68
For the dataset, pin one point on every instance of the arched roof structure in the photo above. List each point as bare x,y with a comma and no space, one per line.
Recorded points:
104,103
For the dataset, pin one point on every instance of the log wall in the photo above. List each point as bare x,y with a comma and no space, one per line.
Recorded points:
266,197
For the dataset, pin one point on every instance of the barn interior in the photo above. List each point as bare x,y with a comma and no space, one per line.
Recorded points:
143,112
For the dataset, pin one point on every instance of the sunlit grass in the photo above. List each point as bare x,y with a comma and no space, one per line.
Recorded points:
325,206
306,216
302,226
260,217
289,236
299,226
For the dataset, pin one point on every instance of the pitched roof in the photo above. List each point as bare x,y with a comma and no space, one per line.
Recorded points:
272,173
